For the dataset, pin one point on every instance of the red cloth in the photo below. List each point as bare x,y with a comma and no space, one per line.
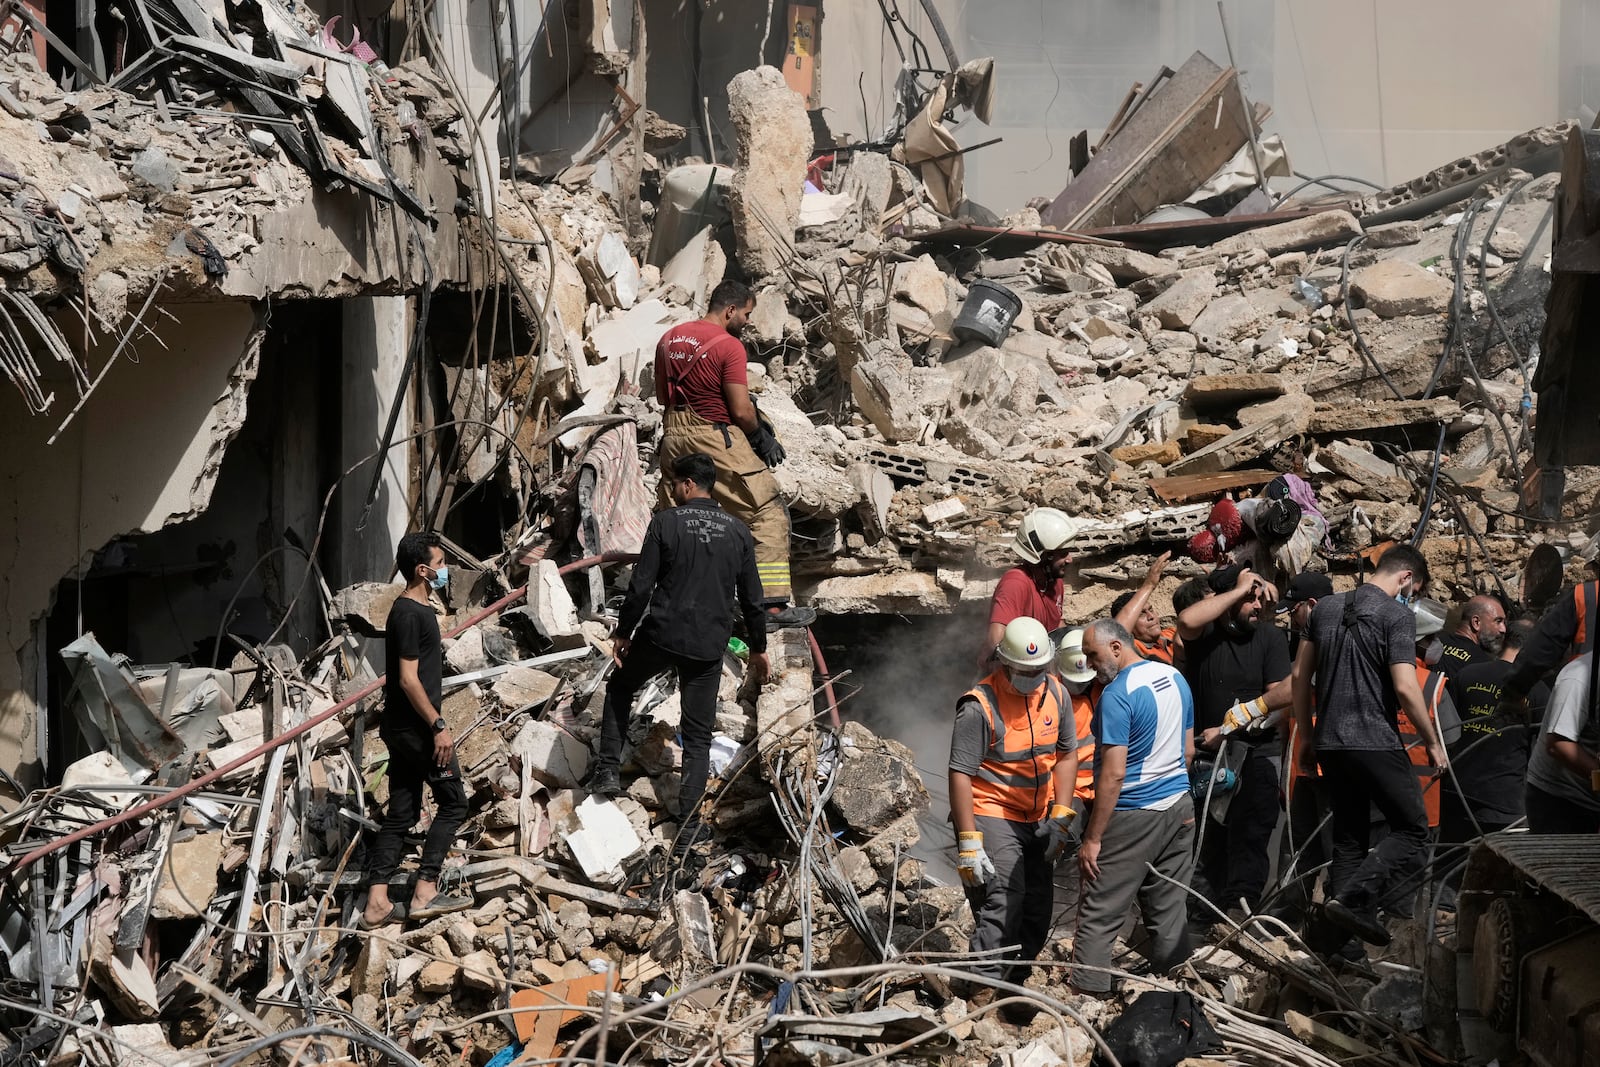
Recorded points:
1018,596
693,361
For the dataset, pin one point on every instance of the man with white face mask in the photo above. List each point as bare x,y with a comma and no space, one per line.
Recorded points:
1013,762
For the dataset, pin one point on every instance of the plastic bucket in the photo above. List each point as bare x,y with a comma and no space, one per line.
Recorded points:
988,313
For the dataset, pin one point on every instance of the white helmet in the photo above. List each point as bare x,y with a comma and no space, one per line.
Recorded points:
1026,645
1043,530
1070,660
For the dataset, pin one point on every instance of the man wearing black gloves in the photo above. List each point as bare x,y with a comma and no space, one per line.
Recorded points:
701,383
1237,666
678,615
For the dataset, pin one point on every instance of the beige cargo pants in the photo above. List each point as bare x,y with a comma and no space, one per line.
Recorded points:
745,488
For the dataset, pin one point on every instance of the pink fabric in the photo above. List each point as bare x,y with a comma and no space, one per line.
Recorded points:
621,504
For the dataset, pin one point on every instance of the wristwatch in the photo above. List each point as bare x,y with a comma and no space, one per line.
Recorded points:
439,725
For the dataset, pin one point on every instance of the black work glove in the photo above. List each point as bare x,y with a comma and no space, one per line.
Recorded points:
764,442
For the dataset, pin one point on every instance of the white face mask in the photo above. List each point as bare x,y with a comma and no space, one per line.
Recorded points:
1026,683
1077,689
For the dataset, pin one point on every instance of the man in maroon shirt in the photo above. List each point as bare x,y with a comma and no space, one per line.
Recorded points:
701,383
1034,589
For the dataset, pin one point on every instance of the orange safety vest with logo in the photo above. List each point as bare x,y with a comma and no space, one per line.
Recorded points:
1083,714
1432,683
1013,781
1164,650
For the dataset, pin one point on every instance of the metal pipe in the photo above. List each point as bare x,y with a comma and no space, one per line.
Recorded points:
288,735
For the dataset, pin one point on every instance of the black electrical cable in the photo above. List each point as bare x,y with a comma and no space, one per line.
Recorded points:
1433,482
1349,314
1457,251
1323,180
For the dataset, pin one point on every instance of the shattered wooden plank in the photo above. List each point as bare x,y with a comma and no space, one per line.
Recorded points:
1241,446
1187,129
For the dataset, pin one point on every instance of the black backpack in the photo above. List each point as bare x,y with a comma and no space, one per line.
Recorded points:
1159,1029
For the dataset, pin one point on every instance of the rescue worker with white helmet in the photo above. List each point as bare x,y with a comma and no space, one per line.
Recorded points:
1013,767
1034,588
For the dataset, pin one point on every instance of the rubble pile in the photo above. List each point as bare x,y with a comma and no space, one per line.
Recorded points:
1133,388
190,891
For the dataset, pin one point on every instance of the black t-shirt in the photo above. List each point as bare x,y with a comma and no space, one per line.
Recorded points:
1356,701
1491,758
1459,652
1224,666
412,632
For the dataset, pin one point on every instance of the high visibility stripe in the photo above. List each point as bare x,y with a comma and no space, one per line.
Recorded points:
1016,783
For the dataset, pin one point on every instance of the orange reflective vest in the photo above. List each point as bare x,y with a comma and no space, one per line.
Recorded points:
1083,712
1432,683
1580,601
1013,781
1164,650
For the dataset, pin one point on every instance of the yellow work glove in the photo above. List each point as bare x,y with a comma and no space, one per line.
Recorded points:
1057,828
972,862
1243,714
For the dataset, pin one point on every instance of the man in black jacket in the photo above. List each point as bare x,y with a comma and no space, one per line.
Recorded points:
678,615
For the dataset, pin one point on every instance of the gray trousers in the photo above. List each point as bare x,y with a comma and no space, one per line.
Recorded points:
1134,841
1013,908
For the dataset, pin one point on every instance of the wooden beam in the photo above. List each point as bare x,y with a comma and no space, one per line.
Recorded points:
1204,486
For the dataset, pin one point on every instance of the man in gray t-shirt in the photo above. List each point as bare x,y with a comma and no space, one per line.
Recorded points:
1359,654
1560,794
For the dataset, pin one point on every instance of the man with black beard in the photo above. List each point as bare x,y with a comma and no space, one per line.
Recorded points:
1238,670
1477,638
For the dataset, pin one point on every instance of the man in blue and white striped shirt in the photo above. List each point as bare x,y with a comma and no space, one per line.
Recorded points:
1144,729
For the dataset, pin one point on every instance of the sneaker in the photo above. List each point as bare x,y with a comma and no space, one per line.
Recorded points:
1363,924
789,617
605,782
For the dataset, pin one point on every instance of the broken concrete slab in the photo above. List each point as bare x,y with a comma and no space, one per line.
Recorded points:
1239,447
520,688
602,841
551,754
1162,452
550,606
366,605
1314,231
911,592
1227,318
1183,301
884,397
1397,287
877,494
877,781
1349,419
188,878
1206,391
1394,235
773,141
1125,264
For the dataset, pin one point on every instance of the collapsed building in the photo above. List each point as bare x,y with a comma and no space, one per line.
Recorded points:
270,301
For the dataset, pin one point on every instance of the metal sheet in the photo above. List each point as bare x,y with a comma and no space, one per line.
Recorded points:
1566,865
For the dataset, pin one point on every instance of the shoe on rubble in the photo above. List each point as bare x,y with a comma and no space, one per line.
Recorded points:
692,834
1363,924
790,616
605,782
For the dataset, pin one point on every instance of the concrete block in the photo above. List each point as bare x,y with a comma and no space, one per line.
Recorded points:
1394,235
877,781
603,841
1313,231
922,283
1182,302
883,396
773,142
551,608
188,878
552,755
945,510
520,687
1226,318
1395,287
877,493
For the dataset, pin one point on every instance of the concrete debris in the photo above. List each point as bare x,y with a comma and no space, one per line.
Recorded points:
201,864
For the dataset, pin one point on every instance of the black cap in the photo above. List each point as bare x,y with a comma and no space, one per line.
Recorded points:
1223,579
1305,586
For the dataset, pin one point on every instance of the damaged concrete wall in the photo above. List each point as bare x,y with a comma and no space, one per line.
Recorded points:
1365,107
143,454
